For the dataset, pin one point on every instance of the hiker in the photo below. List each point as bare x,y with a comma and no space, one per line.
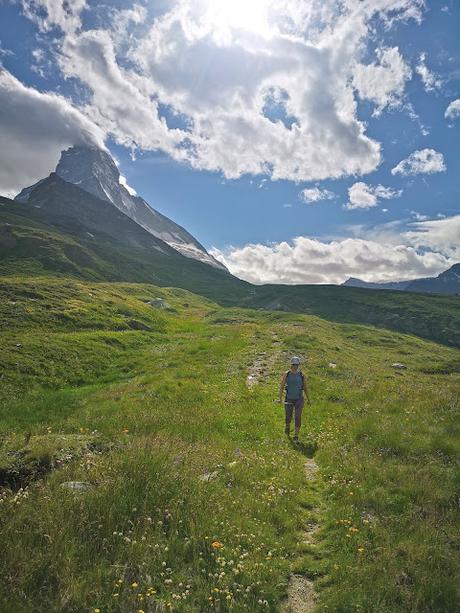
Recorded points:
295,384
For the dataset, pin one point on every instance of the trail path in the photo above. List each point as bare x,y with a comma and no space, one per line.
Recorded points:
263,363
302,597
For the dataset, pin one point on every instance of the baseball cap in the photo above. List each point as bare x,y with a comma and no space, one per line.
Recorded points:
295,360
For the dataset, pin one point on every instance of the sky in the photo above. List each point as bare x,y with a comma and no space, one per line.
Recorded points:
300,141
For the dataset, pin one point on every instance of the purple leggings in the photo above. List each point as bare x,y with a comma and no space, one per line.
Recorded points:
295,406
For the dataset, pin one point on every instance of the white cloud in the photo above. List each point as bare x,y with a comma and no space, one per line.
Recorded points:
453,110
418,216
385,253
306,260
364,196
427,161
442,235
49,14
309,52
383,82
429,79
37,127
315,194
120,103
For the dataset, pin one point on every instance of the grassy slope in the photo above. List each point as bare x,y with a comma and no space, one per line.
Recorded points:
430,316
35,242
173,404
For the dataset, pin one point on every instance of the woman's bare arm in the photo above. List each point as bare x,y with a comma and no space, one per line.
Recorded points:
282,384
306,389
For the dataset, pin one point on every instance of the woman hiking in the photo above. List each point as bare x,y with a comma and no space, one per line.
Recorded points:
295,384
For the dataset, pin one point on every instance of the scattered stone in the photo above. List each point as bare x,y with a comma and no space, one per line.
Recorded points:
232,464
368,517
398,365
208,476
302,597
77,486
310,468
138,325
238,453
178,459
332,365
159,303
260,368
309,533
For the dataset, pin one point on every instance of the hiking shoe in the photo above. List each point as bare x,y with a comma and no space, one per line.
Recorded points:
295,439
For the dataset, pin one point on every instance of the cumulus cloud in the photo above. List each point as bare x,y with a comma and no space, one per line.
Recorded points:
315,194
306,260
49,14
442,235
453,110
383,82
426,161
364,196
388,252
429,79
120,103
310,53
37,127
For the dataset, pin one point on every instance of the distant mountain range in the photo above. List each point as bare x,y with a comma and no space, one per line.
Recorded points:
448,282
94,171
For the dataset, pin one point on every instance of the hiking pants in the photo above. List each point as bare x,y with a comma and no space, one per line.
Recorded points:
293,406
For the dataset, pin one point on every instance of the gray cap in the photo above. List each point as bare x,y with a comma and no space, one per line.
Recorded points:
295,360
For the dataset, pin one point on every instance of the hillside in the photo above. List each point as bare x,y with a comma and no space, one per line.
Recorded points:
426,315
192,497
62,230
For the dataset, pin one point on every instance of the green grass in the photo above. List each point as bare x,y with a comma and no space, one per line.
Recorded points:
180,455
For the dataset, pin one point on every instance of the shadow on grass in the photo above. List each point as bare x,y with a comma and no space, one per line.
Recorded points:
308,447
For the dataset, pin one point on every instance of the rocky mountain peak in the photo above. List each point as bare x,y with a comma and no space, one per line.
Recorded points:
91,168
95,171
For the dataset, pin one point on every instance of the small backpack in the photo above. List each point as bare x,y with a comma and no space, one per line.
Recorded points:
287,375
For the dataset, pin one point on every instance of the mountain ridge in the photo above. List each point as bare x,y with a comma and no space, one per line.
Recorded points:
447,282
95,172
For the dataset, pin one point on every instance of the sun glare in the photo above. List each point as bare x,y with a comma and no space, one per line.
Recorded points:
249,15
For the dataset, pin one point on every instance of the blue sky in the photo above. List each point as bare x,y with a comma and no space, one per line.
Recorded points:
299,141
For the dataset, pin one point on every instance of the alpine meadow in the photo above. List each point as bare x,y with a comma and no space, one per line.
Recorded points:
235,386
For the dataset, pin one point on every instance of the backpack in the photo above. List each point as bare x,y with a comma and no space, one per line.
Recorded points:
287,375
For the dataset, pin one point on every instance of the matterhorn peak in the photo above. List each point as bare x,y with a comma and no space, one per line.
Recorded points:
94,170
